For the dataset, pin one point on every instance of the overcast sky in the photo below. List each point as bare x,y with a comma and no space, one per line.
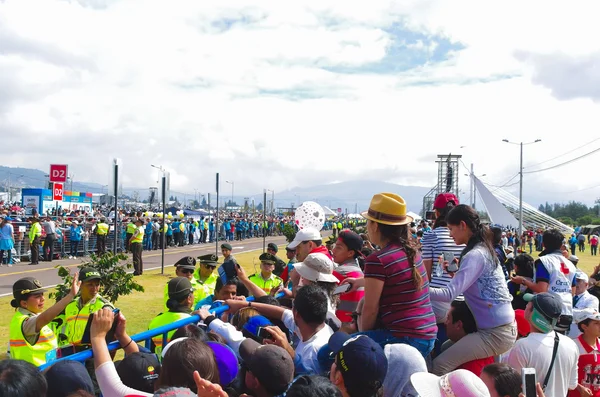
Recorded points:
277,94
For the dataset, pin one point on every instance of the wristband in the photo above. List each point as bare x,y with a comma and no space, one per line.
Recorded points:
249,303
130,340
209,320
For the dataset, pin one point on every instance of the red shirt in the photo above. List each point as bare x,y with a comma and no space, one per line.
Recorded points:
588,369
476,366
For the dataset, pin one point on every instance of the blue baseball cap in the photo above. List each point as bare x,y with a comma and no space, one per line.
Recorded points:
359,358
227,362
547,308
253,325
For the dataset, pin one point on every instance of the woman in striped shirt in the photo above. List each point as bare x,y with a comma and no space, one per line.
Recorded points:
396,283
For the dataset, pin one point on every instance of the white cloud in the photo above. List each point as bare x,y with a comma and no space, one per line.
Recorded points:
256,90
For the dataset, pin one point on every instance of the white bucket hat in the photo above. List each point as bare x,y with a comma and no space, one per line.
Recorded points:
316,267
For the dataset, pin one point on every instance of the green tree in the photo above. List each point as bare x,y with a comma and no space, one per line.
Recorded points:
114,279
289,232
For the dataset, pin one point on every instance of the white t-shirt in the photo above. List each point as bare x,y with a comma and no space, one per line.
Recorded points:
535,351
306,361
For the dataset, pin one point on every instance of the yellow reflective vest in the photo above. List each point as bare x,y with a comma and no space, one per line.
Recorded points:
36,230
209,284
20,349
102,229
130,228
200,292
140,236
77,314
164,319
266,285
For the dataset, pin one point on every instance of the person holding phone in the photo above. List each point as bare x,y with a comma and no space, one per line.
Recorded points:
31,339
481,279
88,302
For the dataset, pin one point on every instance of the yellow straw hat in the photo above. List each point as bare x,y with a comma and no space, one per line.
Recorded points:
388,209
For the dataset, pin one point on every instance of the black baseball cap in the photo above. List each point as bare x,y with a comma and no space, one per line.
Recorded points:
359,358
179,288
89,273
66,377
351,240
273,246
547,308
187,262
139,371
270,364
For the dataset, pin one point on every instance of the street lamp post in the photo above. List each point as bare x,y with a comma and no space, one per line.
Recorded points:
473,188
272,201
163,236
521,181
232,183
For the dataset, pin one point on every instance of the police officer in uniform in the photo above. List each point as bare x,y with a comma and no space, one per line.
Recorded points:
205,274
135,245
266,280
79,310
181,298
35,235
185,268
31,339
101,233
128,234
280,265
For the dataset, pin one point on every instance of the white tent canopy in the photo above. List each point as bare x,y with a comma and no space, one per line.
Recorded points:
415,216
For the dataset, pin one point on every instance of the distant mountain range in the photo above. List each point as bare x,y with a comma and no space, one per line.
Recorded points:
350,196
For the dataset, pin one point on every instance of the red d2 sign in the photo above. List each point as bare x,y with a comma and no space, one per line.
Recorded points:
58,173
57,192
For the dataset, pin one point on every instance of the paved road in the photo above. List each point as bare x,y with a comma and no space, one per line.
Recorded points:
47,274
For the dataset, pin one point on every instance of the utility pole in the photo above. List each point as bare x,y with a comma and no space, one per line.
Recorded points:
521,181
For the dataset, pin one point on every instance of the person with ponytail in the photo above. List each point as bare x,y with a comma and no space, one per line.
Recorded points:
395,284
434,245
180,303
481,279
31,339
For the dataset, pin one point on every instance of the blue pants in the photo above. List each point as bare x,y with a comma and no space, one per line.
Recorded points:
382,337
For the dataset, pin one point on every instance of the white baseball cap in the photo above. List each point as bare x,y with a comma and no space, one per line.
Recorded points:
582,276
584,314
308,234
316,267
460,382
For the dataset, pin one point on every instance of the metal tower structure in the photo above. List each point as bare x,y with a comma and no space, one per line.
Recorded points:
447,179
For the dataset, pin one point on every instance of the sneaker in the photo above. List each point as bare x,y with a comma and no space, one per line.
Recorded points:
70,257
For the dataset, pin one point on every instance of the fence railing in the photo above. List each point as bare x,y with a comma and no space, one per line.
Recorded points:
145,336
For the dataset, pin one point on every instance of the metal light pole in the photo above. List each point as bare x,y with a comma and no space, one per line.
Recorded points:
473,188
264,220
163,238
521,181
272,201
217,220
232,185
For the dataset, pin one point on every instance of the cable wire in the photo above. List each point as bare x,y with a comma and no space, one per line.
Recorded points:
564,154
565,163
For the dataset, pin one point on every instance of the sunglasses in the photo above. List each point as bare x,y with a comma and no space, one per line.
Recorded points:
186,271
209,267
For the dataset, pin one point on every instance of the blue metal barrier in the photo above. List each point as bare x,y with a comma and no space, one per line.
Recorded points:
146,336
